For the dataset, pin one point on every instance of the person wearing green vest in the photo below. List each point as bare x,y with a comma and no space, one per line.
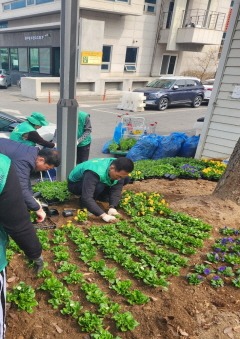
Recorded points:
14,222
83,136
26,132
100,179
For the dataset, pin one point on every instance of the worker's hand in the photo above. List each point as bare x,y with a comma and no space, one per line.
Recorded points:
39,264
113,211
108,218
41,215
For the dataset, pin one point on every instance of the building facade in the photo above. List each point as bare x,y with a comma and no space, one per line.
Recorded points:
122,43
221,129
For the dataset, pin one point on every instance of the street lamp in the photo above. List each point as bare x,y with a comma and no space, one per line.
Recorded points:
67,104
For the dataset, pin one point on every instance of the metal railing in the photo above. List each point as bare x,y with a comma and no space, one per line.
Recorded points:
198,18
203,19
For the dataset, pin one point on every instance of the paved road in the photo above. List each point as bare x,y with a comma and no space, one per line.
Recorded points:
105,115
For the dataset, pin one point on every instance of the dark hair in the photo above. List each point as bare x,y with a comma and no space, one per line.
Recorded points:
123,164
51,156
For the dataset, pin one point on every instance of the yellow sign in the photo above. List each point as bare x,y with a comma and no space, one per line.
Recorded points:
91,58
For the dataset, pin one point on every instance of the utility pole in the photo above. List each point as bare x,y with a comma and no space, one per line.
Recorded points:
67,104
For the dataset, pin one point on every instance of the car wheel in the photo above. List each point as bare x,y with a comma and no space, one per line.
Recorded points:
163,104
197,101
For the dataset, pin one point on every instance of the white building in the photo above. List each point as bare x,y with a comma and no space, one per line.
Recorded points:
221,128
122,43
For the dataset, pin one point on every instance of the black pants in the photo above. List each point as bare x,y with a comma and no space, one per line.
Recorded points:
83,153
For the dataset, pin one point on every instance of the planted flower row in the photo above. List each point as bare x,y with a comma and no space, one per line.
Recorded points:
150,246
223,262
178,167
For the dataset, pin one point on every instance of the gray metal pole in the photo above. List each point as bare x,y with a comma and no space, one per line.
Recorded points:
67,104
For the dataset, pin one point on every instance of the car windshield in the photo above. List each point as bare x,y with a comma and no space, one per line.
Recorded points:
161,83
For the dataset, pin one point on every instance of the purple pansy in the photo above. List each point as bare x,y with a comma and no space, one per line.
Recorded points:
221,268
207,271
216,277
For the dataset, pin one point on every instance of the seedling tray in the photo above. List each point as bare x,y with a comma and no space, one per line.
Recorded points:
45,225
119,152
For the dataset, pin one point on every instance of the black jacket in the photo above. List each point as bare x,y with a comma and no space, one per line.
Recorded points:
15,219
23,158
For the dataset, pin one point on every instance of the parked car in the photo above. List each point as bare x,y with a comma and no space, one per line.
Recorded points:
167,91
208,86
5,78
9,120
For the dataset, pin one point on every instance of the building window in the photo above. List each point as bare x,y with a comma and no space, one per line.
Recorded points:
131,59
4,58
106,58
6,7
38,2
4,24
16,4
23,59
40,60
150,6
44,56
168,64
14,59
169,15
34,60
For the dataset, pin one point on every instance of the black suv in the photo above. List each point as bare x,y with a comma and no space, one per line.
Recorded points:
167,91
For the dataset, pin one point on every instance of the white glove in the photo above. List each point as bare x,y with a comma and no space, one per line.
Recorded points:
108,218
41,215
112,211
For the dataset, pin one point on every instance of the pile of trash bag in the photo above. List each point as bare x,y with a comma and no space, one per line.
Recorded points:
155,147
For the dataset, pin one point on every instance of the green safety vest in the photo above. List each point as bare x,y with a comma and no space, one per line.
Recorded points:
99,166
82,116
4,169
21,129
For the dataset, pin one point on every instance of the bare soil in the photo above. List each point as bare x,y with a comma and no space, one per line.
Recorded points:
183,311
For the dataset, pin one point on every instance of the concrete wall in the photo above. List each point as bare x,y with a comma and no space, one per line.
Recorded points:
42,88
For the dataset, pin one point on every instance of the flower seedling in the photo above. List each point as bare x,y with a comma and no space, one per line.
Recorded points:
213,257
216,281
103,334
72,308
236,282
203,269
195,278
33,216
90,322
82,215
226,270
23,296
125,321
52,190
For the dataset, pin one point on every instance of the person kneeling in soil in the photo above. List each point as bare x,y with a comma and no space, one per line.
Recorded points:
14,221
26,160
100,179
